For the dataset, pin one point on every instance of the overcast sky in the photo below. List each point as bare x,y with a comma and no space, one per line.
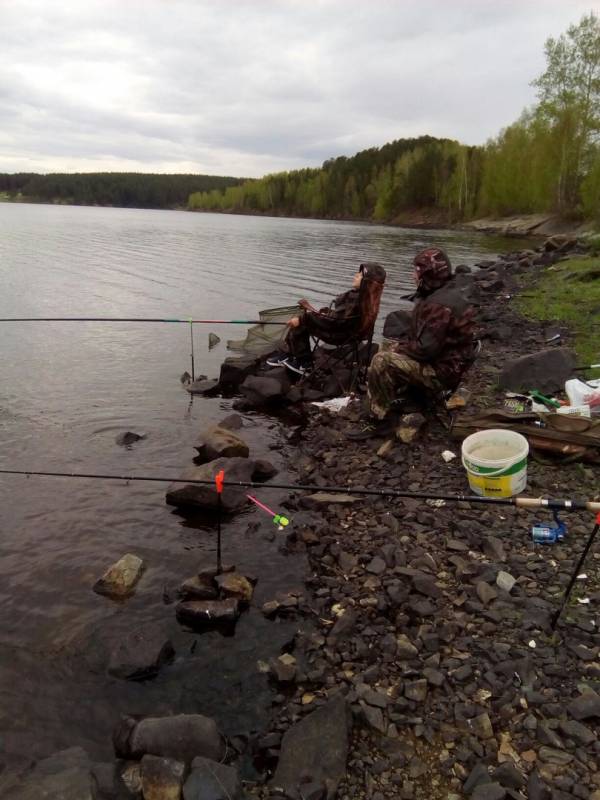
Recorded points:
245,87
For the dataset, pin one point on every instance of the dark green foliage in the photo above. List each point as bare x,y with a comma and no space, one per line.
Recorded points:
124,189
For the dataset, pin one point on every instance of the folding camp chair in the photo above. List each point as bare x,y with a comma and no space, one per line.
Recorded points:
347,335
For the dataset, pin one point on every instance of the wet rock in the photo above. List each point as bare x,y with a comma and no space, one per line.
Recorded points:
260,391
586,706
182,737
119,580
140,655
65,775
208,613
234,371
546,371
315,749
205,388
263,470
162,778
129,438
204,496
210,780
232,584
219,442
198,587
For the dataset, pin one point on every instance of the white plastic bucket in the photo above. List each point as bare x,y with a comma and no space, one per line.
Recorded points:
496,462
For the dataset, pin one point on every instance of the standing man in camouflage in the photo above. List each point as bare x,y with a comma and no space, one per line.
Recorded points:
432,346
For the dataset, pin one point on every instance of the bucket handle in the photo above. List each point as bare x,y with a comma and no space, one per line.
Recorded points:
493,474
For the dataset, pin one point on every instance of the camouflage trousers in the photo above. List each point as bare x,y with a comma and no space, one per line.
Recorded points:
391,374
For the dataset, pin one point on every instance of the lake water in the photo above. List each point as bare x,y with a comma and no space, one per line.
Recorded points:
68,389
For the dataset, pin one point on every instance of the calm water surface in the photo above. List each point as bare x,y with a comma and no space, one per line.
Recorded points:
67,390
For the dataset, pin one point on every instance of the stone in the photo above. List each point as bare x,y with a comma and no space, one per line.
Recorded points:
263,470
405,648
204,387
426,585
141,654
478,776
376,566
128,438
261,391
536,789
489,791
509,776
232,584
315,749
204,496
162,778
119,580
198,587
481,726
344,626
409,428
416,690
219,442
374,718
505,581
182,737
546,371
232,422
586,706
485,592
65,775
234,370
209,780
554,756
208,613
577,732
320,499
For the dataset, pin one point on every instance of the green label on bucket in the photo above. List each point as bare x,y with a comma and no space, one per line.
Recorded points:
512,470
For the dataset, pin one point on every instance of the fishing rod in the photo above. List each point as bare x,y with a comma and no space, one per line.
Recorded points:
519,502
191,322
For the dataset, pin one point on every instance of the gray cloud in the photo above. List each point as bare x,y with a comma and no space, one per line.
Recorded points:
252,86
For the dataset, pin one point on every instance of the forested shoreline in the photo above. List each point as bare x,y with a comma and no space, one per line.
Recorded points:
123,189
546,161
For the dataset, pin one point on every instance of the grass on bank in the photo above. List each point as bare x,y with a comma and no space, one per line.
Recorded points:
569,292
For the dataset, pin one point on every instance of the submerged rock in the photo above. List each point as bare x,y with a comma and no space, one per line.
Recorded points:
129,437
208,613
182,737
120,579
198,587
219,442
205,495
140,655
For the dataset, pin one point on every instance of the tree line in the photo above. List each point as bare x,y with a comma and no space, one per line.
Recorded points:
547,161
124,189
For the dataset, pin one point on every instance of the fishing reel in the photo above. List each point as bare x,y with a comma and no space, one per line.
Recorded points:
544,533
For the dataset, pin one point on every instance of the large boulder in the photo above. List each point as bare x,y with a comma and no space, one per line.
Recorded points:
217,442
315,750
234,370
545,371
182,737
119,580
140,655
205,495
260,391
209,780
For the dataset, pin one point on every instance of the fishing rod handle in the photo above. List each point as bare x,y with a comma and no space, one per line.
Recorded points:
565,505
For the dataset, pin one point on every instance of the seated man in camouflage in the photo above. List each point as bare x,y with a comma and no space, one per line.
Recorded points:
433,345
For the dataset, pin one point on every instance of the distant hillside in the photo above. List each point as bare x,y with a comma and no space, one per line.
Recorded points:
124,189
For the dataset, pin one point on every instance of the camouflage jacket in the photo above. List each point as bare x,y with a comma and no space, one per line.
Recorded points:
442,333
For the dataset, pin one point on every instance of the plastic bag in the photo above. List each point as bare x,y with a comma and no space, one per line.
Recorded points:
583,393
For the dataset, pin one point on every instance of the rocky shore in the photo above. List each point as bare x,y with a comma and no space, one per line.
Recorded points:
423,664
